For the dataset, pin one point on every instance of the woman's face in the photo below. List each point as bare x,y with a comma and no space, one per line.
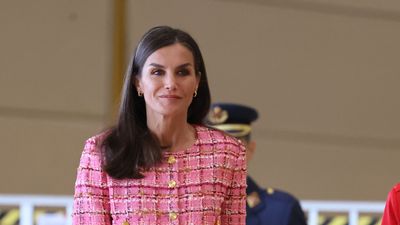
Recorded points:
168,80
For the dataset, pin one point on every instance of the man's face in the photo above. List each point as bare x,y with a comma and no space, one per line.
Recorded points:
250,148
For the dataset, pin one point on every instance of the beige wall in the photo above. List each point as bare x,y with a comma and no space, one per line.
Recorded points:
54,92
323,76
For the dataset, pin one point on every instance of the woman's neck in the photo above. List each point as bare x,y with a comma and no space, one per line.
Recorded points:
172,133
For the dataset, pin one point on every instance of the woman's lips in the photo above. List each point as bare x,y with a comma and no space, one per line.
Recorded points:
170,96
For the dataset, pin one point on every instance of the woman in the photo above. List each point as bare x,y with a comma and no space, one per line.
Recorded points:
158,164
391,215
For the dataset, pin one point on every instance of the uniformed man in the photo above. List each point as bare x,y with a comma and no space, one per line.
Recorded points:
264,206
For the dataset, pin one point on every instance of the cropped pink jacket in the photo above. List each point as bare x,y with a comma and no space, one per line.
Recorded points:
204,184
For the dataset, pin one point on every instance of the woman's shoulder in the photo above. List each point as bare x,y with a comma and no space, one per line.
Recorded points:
93,143
225,148
92,156
209,135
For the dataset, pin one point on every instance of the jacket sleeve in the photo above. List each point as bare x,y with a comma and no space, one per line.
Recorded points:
297,215
91,198
391,214
233,210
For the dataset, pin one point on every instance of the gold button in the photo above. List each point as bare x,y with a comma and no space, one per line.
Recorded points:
125,223
171,160
171,183
173,215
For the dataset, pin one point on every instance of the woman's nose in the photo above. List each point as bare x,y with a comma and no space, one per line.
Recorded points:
170,82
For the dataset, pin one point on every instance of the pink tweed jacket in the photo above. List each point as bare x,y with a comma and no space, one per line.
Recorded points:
204,184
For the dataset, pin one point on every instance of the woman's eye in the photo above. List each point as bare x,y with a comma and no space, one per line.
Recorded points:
183,72
157,72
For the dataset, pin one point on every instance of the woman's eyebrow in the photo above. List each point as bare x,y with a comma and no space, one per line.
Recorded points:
156,65
163,67
185,65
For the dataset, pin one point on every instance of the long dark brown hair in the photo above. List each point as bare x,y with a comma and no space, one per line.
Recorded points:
129,147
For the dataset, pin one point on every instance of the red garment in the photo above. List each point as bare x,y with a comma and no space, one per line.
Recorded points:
391,215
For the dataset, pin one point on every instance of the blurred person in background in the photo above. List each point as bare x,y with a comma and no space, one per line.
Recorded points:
264,206
159,164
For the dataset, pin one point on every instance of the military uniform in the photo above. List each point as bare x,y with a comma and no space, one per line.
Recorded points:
271,207
264,206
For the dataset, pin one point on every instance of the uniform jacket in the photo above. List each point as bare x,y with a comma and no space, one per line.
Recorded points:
391,215
272,207
204,184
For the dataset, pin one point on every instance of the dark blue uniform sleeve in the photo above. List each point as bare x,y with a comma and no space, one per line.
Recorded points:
297,216
272,207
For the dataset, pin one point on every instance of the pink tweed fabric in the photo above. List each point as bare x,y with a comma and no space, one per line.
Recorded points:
204,184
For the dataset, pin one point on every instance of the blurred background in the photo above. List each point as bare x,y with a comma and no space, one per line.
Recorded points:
323,75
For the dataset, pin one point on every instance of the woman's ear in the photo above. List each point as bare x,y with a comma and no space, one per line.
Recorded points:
198,77
137,84
198,81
